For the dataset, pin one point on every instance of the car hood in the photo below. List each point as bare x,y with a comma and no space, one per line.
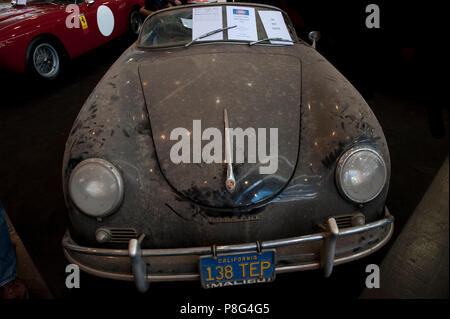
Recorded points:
13,15
257,90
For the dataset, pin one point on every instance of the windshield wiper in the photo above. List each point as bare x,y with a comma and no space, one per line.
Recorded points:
208,34
269,39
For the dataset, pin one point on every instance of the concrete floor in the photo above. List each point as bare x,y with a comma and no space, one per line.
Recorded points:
416,267
35,119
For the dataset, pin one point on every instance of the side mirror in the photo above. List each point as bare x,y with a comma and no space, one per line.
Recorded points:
89,2
314,36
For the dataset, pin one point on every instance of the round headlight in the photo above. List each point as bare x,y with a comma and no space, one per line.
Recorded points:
96,187
361,174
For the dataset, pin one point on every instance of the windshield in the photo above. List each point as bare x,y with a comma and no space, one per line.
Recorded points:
34,2
233,22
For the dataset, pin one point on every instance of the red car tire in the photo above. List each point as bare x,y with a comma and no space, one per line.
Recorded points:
135,22
45,58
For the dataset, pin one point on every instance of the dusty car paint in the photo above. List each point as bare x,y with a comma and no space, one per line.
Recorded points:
191,87
117,123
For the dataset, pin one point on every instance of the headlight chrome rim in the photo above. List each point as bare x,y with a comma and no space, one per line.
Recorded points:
341,164
118,177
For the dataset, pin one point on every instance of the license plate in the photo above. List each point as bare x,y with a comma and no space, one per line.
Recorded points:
237,269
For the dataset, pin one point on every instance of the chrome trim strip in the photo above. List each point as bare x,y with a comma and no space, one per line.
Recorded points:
191,277
230,182
339,260
142,278
224,248
359,229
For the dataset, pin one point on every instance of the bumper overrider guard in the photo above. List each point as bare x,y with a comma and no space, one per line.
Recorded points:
321,250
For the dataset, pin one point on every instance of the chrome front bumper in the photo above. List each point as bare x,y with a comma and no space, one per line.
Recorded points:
321,250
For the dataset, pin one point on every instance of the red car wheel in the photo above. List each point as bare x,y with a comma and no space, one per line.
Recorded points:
45,59
135,23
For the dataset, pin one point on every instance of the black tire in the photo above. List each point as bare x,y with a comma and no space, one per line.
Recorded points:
135,22
45,59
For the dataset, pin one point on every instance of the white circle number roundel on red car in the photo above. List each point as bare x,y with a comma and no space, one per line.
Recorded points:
105,20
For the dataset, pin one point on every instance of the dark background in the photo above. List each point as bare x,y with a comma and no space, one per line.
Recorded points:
398,68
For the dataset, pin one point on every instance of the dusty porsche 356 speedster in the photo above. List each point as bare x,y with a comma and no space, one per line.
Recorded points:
220,147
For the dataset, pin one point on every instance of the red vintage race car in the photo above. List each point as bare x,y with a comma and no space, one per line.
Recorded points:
35,35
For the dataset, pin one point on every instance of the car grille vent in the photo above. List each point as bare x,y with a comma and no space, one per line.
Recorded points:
122,235
343,221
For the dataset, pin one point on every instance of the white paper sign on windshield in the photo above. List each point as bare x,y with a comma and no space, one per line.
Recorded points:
245,20
205,20
21,2
187,23
275,26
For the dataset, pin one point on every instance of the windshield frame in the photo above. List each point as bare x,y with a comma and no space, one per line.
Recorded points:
289,25
47,2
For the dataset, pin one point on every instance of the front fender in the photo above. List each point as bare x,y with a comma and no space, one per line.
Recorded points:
334,118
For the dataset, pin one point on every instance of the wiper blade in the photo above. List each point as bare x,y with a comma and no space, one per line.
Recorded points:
270,39
208,34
